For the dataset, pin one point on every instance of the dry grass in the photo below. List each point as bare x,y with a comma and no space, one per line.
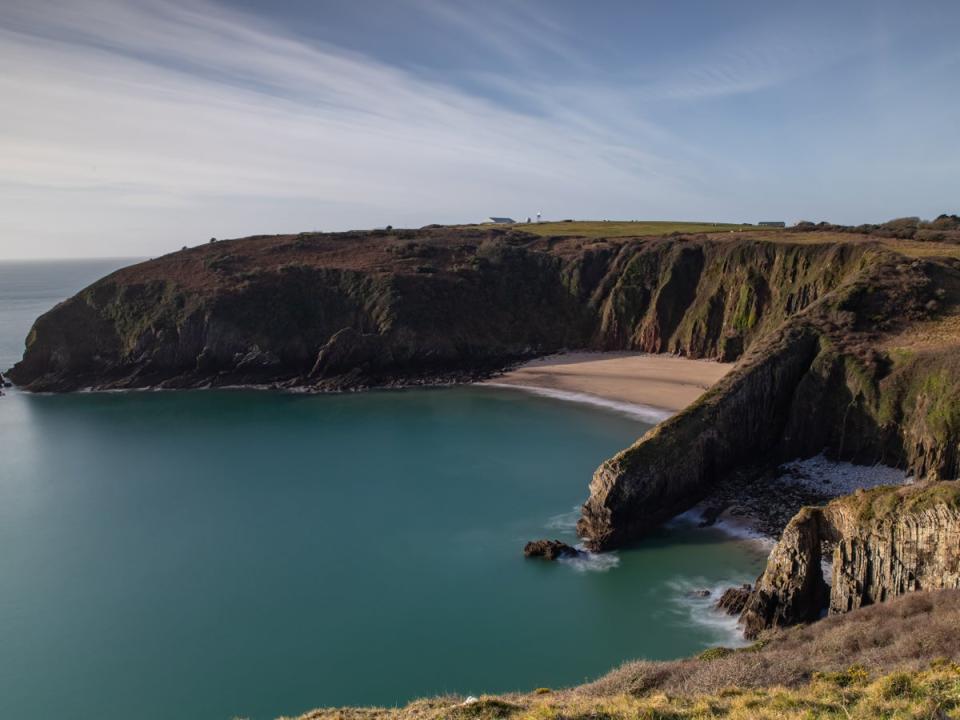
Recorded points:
906,633
930,335
909,248
852,694
897,660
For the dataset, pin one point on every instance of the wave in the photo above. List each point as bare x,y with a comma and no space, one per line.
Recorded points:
587,561
700,611
732,526
564,522
646,413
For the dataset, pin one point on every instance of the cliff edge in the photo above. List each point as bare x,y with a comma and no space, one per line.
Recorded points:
866,371
886,542
845,343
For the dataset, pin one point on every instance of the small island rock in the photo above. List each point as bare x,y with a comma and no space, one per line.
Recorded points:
549,549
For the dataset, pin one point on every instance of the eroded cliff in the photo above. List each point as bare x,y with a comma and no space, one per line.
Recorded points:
886,542
359,309
841,375
847,347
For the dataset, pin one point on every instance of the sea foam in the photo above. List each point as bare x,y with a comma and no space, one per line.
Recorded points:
701,611
587,561
645,413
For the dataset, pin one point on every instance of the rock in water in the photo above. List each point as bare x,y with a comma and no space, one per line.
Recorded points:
734,599
549,549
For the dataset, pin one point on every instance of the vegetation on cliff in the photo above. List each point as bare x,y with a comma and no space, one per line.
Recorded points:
849,372
846,342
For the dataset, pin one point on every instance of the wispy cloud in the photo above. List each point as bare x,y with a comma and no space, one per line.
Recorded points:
760,57
166,102
135,126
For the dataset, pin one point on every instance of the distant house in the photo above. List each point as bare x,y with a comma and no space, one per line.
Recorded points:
500,220
772,223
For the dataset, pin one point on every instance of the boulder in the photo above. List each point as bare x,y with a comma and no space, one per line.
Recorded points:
549,549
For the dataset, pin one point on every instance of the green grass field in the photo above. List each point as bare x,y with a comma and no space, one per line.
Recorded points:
630,228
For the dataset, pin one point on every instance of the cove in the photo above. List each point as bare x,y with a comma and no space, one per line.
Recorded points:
213,554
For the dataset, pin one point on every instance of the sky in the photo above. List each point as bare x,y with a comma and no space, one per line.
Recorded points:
132,128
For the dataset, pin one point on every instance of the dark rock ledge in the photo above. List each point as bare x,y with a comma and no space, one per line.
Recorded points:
549,549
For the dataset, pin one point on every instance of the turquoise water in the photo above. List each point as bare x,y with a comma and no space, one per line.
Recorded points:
221,554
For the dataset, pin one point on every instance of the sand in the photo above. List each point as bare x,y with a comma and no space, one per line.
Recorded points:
666,383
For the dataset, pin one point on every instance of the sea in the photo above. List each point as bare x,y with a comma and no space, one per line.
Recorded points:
251,554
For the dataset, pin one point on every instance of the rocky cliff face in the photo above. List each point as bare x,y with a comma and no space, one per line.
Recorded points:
824,379
358,309
886,542
329,311
814,324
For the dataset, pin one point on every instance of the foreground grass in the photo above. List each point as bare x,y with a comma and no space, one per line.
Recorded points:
933,693
631,228
893,660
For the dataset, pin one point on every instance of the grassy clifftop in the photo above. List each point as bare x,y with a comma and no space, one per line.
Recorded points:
626,228
844,342
418,305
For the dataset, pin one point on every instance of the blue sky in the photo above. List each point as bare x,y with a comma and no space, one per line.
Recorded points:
132,128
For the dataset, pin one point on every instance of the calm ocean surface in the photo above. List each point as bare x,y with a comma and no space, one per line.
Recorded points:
241,553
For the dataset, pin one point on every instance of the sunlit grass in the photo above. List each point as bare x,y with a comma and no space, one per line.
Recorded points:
626,228
933,693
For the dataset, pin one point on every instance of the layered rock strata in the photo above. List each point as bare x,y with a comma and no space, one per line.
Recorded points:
886,542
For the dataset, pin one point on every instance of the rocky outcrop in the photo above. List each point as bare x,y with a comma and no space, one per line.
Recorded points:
673,465
822,381
364,309
734,600
886,542
324,311
549,549
811,323
791,589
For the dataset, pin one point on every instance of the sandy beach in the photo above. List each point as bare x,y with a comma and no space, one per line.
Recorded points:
666,382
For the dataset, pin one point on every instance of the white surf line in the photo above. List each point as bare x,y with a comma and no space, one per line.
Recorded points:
565,522
646,413
701,611
732,526
566,525
588,561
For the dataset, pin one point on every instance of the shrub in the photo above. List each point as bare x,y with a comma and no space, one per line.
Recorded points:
715,653
897,686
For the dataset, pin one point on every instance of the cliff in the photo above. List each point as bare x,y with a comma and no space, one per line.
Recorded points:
331,311
886,542
360,309
845,346
865,371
